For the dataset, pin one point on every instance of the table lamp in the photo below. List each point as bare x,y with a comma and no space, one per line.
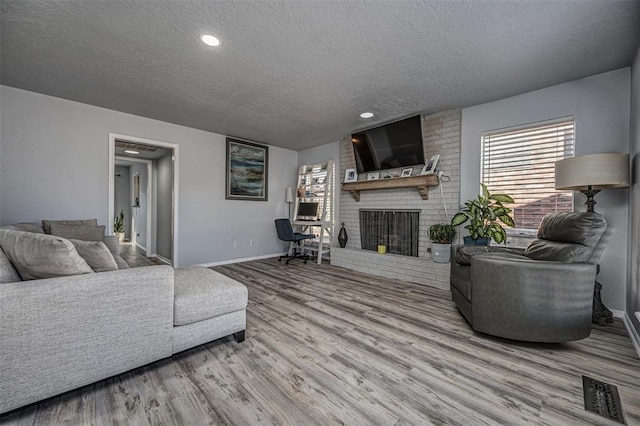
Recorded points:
590,174
288,198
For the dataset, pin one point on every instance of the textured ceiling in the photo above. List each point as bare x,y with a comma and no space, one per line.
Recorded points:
297,74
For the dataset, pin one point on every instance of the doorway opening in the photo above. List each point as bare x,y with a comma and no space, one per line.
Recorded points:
143,184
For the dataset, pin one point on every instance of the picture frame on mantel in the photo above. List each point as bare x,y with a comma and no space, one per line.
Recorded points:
373,176
351,175
430,167
247,171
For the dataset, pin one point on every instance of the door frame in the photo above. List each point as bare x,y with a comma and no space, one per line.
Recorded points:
176,185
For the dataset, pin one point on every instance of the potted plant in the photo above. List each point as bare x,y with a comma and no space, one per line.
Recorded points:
441,235
485,214
118,226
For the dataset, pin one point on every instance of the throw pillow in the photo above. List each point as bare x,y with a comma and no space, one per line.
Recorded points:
25,226
8,273
96,254
77,232
46,224
38,256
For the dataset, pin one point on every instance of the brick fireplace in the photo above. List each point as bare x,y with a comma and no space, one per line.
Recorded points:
441,135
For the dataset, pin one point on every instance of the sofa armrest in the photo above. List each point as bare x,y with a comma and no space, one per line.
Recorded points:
523,299
59,334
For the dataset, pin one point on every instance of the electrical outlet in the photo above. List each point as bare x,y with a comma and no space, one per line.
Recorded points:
235,244
252,242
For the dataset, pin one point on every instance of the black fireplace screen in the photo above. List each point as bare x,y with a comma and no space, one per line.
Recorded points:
396,229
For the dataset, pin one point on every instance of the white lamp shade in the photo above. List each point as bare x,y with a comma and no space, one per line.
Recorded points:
288,197
600,171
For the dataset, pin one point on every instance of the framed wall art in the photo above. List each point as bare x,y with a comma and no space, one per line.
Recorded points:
247,170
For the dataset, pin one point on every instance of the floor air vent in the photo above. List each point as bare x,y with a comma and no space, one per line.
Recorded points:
602,398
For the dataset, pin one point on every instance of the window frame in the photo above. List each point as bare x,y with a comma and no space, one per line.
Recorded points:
510,133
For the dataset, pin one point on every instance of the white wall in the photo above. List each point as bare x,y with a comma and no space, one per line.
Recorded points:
633,279
55,165
600,105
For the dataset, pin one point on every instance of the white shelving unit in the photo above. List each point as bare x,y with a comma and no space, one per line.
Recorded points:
316,183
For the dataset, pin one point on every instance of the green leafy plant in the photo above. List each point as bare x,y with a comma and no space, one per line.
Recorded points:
118,222
442,233
485,215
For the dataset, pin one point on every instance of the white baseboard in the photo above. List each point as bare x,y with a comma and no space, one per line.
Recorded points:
633,334
162,259
246,259
617,314
143,248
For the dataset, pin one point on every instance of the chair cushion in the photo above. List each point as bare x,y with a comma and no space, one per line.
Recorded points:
46,224
567,237
8,273
578,228
201,293
75,232
41,256
96,254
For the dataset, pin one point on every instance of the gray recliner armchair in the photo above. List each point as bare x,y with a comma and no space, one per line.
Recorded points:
543,293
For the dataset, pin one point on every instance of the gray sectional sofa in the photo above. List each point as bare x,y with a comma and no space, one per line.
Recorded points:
60,333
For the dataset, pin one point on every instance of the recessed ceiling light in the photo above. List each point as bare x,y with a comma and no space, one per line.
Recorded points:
366,115
210,40
130,151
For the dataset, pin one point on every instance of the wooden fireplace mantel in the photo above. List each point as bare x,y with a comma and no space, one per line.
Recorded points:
421,183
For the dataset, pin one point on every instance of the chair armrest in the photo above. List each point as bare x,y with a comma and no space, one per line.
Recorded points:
463,254
523,299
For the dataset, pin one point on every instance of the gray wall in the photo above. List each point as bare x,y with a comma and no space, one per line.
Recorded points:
140,213
164,194
122,197
633,281
55,165
600,105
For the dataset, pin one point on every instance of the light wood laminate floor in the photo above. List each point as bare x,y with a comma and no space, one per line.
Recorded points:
326,345
136,257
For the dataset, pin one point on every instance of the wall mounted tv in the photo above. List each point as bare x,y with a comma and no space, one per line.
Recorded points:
396,144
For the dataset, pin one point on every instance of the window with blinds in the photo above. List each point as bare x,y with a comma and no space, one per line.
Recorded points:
520,161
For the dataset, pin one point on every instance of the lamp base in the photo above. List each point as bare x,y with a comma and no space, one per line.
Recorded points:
590,193
601,315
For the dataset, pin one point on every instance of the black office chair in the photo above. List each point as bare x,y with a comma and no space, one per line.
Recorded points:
286,233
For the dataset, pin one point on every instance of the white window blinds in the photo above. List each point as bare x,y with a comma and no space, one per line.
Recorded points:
520,162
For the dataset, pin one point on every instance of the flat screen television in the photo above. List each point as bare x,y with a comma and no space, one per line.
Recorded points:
396,144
